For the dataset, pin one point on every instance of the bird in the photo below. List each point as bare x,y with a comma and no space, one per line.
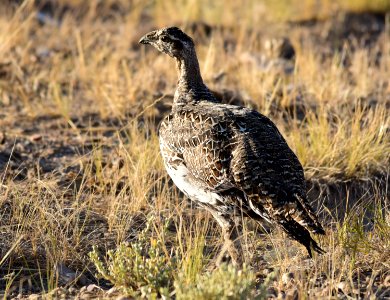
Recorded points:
230,160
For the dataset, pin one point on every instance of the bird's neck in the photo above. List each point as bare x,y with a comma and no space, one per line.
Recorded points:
190,86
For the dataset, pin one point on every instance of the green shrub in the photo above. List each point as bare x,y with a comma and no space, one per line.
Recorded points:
226,282
140,268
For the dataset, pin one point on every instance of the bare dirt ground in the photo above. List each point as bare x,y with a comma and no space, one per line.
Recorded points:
79,160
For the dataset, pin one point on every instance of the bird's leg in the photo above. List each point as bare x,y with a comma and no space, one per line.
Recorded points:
231,234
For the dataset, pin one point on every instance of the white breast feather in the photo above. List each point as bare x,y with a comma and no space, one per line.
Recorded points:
180,176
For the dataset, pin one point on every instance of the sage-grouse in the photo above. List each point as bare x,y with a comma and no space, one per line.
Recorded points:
231,160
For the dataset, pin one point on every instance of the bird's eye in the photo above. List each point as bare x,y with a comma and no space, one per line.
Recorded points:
165,39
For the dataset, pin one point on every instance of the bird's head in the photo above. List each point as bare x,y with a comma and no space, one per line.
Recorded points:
170,40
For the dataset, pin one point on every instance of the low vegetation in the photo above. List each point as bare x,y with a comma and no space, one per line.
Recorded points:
86,207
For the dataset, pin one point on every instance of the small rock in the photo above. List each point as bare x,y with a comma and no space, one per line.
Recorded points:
35,137
93,287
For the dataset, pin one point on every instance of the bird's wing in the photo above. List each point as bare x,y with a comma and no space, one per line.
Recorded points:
196,152
268,171
202,141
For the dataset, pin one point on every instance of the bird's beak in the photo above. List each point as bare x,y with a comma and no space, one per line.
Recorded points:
148,38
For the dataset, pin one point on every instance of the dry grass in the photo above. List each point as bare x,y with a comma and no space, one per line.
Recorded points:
80,103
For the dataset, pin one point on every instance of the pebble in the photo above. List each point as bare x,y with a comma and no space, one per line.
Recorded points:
36,137
93,287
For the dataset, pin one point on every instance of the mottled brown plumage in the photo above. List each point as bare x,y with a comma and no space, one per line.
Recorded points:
231,160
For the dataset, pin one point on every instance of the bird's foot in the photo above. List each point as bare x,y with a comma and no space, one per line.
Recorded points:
229,254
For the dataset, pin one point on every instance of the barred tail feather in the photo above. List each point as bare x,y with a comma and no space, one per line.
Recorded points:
310,219
301,235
